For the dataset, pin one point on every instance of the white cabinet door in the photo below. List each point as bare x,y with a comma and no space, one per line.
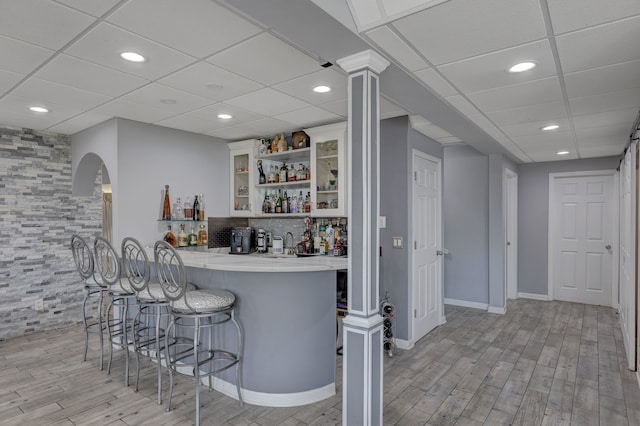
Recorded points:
241,178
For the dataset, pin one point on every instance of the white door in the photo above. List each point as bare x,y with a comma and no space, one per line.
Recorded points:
427,253
511,225
580,238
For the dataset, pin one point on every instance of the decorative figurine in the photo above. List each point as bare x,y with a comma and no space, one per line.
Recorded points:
263,178
299,139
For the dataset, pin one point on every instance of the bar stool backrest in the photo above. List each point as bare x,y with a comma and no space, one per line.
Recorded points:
135,265
107,263
82,256
170,269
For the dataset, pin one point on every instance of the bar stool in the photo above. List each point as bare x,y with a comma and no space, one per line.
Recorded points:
120,292
92,290
194,310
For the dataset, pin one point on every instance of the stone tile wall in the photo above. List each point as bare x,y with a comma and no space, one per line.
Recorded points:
39,286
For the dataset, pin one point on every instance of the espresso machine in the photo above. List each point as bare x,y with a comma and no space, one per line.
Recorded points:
242,240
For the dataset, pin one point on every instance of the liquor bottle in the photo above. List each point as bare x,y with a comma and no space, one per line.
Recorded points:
266,204
285,203
192,238
277,174
188,208
166,208
182,237
272,175
283,173
203,236
307,203
330,237
279,203
169,237
262,178
300,206
201,215
293,204
291,174
177,210
196,209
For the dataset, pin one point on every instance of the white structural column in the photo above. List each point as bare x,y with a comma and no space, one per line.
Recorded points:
362,365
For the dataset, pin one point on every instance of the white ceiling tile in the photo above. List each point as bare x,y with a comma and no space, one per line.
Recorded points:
8,80
339,107
401,7
88,76
544,156
533,128
570,15
232,133
187,123
365,12
16,106
21,57
599,46
153,95
302,87
92,7
123,109
528,114
199,28
489,70
46,91
103,45
600,151
265,59
390,42
555,141
210,114
78,123
434,81
268,127
629,98
611,78
518,95
469,28
611,135
267,102
463,105
308,117
622,118
44,23
209,81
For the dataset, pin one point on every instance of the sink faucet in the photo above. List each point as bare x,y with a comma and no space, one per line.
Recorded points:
290,249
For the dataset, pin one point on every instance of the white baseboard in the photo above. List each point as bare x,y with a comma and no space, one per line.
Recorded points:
533,296
497,310
466,304
404,344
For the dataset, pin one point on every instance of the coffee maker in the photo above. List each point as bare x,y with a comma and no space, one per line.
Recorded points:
242,240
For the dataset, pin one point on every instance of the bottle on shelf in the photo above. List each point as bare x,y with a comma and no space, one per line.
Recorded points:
196,209
293,203
262,178
330,237
192,238
266,204
279,203
300,206
203,236
177,210
291,173
169,237
307,203
188,208
201,215
166,208
182,237
277,174
283,173
272,175
285,203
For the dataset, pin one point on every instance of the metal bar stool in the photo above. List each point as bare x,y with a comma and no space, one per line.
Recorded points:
120,293
92,290
194,310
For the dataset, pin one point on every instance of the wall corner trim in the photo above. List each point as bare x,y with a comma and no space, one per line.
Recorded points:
497,310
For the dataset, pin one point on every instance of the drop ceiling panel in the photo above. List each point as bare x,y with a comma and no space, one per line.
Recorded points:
599,46
612,101
268,127
21,57
435,82
47,91
209,81
268,102
570,15
239,115
308,117
200,28
518,95
187,123
533,128
388,109
552,156
85,75
527,114
124,109
18,106
600,151
471,28
489,71
402,52
44,23
105,42
596,81
265,59
620,118
8,80
94,8
553,141
302,88
78,123
154,94
231,133
611,135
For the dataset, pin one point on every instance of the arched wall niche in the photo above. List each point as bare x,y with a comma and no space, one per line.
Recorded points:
85,175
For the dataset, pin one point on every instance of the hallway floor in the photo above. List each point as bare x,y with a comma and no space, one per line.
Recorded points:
550,363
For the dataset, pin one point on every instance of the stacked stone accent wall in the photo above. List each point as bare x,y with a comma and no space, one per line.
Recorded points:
39,286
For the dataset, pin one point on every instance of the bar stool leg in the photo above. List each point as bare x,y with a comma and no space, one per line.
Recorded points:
136,343
125,340
170,329
110,334
196,367
239,363
86,327
101,327
158,353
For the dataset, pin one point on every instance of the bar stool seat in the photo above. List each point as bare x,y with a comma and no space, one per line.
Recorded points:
204,301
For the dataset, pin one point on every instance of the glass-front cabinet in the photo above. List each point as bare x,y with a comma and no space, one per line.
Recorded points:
241,171
328,152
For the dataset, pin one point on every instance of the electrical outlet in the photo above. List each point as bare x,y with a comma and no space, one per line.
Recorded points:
39,305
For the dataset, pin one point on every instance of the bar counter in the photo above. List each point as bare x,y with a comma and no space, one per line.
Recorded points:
287,308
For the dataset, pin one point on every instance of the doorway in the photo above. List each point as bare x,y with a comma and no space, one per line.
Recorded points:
427,244
511,233
581,237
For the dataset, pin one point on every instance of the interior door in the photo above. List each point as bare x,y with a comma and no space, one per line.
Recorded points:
581,234
427,253
511,215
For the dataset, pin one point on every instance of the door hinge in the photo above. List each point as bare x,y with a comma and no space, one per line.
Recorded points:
415,176
415,313
415,245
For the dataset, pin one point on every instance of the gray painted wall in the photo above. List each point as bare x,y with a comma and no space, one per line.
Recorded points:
533,217
466,218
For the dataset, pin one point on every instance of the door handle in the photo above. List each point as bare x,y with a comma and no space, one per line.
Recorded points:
442,252
608,246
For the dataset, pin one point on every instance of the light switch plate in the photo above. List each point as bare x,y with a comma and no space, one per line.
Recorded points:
382,222
397,242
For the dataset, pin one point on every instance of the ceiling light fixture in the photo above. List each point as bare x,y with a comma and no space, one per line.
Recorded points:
322,89
132,57
225,116
38,109
550,127
522,67
563,152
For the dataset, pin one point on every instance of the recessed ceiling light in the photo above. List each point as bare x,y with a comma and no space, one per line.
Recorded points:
225,116
563,152
168,101
132,57
322,89
522,66
550,127
38,109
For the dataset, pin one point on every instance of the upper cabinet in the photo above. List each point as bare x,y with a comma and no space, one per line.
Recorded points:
328,176
241,178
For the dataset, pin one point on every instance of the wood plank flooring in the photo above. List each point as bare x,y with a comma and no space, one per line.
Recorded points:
542,363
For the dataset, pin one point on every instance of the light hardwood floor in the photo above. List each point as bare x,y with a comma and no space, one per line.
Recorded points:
543,363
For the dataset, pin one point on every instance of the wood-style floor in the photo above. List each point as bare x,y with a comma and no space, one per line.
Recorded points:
543,363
